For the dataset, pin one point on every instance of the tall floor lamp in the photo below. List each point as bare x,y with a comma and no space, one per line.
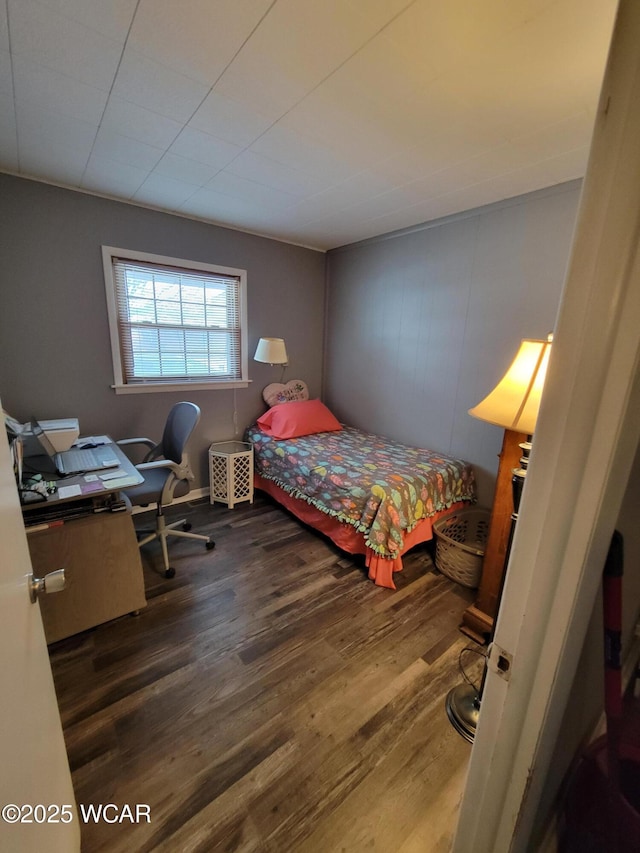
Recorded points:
513,404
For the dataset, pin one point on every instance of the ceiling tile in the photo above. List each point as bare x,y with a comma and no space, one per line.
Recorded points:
197,145
185,170
257,167
359,187
6,74
162,191
452,178
4,28
204,36
41,34
329,120
300,151
503,159
568,165
452,32
398,219
228,184
111,178
111,19
156,87
541,73
44,89
526,179
258,83
328,233
55,129
136,122
8,135
297,46
564,135
349,134
314,207
229,120
114,146
383,72
379,13
216,206
60,164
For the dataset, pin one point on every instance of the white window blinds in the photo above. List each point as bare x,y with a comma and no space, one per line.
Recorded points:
177,325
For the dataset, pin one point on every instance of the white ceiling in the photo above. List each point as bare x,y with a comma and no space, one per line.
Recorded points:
320,122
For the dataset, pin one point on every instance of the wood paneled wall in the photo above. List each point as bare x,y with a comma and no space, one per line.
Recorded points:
422,325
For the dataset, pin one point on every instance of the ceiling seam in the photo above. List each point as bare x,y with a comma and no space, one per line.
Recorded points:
292,107
13,86
212,87
113,81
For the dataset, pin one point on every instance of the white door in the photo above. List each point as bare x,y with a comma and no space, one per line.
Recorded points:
585,442
35,782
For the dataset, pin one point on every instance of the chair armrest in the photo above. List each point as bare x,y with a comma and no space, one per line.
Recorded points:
145,441
180,472
159,463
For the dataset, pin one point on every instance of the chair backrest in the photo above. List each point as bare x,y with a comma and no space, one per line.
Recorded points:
181,422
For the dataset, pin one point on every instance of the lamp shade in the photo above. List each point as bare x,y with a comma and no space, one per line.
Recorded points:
514,402
271,351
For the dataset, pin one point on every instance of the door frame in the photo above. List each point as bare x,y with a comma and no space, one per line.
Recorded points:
586,439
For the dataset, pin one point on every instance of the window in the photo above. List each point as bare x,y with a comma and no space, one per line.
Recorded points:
174,323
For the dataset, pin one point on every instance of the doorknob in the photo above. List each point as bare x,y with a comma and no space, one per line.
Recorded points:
51,582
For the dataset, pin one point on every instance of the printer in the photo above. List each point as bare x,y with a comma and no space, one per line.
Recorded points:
61,432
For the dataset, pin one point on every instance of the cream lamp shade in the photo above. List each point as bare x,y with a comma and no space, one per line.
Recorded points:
271,351
514,402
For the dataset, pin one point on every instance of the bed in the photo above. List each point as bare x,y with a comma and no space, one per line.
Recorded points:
370,495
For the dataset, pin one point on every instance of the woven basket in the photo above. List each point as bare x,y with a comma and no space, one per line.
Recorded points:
460,541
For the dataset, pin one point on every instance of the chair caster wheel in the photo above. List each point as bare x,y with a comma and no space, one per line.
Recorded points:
210,546
170,573
186,526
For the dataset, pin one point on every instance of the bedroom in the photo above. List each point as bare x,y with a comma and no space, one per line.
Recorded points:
54,236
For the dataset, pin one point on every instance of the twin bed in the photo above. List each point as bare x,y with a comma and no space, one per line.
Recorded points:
370,495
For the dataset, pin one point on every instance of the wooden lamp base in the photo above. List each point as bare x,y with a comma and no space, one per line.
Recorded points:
477,620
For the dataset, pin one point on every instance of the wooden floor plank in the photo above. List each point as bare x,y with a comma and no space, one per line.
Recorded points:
269,698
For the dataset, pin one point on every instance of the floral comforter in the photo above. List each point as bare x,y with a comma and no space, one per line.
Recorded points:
380,487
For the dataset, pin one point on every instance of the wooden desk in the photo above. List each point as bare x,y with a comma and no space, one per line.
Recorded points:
98,551
103,572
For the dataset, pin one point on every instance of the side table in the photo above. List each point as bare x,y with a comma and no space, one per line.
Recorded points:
231,472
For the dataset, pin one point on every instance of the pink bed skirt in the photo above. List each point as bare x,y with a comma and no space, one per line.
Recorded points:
381,569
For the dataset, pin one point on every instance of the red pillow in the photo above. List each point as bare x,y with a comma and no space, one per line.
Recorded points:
304,417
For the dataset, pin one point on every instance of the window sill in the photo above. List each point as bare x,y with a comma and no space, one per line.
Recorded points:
154,387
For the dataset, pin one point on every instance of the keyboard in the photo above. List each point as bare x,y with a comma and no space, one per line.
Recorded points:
77,460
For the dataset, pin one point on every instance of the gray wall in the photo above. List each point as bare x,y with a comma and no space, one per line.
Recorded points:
422,325
55,355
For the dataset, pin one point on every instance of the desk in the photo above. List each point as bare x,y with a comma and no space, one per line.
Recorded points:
95,545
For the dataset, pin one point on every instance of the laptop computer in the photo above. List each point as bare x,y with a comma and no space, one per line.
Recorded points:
76,460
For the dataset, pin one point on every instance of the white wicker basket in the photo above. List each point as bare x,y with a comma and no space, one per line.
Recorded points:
461,537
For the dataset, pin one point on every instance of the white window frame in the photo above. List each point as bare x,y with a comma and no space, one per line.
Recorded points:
120,386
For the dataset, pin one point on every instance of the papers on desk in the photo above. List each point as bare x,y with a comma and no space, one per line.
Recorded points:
112,479
96,440
121,483
112,474
69,491
92,486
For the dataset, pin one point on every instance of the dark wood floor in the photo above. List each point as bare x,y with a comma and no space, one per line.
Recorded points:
269,698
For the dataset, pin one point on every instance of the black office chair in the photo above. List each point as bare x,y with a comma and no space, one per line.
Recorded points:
167,475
